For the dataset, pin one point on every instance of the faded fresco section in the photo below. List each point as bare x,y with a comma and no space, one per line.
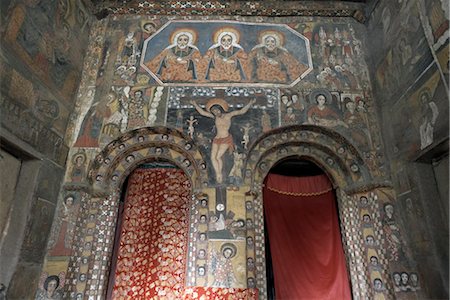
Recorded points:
410,74
46,41
43,45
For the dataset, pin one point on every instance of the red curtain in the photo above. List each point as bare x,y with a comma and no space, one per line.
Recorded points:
153,240
305,241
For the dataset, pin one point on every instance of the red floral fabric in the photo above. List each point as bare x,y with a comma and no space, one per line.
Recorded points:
212,293
153,243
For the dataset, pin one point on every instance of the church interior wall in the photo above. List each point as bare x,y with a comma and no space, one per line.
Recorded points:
126,88
42,51
409,69
93,99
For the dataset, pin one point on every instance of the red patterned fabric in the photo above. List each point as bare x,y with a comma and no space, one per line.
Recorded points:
305,241
154,233
213,293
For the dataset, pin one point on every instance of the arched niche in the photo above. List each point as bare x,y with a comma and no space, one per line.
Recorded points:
351,178
100,202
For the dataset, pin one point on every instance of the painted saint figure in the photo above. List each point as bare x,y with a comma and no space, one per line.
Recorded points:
180,60
271,62
430,113
226,59
223,141
137,110
246,136
355,120
62,233
92,124
322,115
79,167
222,267
290,118
50,288
266,123
236,171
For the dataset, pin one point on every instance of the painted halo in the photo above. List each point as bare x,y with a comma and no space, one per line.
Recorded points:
216,101
190,33
278,36
231,31
313,96
229,246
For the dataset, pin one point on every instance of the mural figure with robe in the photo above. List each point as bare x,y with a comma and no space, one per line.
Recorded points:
222,267
271,62
62,233
179,62
50,287
355,120
430,113
321,114
78,171
226,59
219,52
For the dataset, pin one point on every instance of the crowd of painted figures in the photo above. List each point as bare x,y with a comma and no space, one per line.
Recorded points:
226,60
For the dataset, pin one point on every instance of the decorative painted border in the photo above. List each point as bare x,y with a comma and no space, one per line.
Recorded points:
232,8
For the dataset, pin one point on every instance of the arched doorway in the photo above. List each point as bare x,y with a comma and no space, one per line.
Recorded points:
352,179
150,250
304,252
107,175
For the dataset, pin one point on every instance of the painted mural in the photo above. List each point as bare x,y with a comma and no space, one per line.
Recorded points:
226,52
250,112
437,13
404,51
217,89
50,286
409,48
427,105
35,116
62,235
49,38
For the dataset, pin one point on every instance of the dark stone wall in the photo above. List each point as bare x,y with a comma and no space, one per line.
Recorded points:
42,51
408,42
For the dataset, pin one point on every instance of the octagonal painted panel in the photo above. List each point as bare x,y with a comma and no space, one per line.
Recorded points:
226,53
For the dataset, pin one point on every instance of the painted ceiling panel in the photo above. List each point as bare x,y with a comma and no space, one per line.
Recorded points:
325,8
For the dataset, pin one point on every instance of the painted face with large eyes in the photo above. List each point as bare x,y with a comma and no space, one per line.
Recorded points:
226,41
321,100
271,43
51,287
227,253
182,41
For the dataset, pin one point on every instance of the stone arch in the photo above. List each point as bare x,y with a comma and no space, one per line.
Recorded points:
121,156
348,172
341,160
100,200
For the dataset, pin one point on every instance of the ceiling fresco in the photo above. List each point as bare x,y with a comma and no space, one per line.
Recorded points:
357,9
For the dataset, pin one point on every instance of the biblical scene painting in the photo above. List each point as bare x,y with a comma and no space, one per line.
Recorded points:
223,122
219,52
